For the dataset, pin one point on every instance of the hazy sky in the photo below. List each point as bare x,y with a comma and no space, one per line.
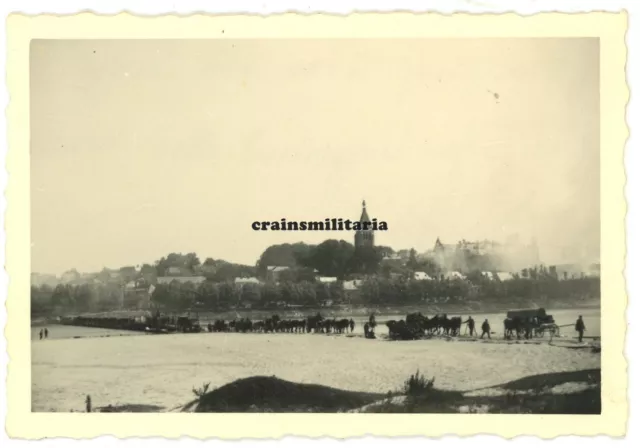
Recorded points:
141,148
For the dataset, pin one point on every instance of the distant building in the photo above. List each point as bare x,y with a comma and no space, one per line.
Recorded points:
351,290
247,281
327,279
454,275
393,260
137,294
421,276
168,280
274,272
173,271
207,269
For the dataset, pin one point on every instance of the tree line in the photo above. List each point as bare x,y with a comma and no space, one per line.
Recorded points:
375,290
384,283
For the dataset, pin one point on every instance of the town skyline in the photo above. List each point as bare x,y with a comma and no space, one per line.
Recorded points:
142,148
514,242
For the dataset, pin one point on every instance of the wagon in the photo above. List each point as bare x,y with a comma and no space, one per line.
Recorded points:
540,321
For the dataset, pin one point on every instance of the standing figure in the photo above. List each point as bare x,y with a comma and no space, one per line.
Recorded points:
471,325
486,328
41,334
352,325
580,328
46,333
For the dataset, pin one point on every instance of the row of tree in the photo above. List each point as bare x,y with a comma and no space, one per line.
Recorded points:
47,300
226,295
379,290
375,290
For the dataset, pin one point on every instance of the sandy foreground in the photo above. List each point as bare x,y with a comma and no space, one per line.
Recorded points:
162,370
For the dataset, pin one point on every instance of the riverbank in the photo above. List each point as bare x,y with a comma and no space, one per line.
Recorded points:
342,311
161,371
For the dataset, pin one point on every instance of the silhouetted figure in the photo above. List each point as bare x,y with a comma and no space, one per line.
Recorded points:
352,325
580,328
87,402
41,333
368,332
471,325
372,321
486,328
46,333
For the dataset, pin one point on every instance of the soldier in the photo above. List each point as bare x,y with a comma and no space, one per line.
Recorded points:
580,328
486,328
471,325
372,321
352,325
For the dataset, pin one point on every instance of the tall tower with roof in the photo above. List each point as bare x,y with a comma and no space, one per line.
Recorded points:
364,238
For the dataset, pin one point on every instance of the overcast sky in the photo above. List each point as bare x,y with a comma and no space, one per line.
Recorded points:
141,148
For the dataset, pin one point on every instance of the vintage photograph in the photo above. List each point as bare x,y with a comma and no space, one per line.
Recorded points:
206,225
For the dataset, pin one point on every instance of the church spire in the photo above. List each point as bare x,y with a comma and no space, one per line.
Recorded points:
364,238
365,216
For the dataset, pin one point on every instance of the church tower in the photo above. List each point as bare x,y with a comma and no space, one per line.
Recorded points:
364,238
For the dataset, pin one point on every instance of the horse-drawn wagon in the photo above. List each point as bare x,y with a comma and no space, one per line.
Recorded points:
530,322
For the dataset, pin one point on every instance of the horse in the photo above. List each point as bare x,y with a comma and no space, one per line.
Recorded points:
403,331
454,325
513,326
342,325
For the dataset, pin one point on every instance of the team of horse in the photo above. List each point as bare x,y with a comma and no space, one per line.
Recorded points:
416,326
274,324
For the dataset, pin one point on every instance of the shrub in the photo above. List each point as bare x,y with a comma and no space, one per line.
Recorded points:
418,386
202,391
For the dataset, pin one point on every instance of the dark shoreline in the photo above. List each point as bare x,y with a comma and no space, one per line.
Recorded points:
343,311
